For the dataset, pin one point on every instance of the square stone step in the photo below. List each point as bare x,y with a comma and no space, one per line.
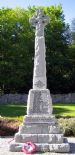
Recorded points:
58,148
39,129
39,138
40,119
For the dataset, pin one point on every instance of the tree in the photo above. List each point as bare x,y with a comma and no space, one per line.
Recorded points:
73,31
57,40
17,49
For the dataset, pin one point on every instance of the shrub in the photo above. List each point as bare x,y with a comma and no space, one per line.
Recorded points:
68,126
8,127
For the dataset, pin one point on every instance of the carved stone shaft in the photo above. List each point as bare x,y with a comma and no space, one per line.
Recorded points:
39,75
39,99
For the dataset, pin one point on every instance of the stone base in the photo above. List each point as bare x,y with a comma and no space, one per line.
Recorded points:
58,148
43,130
39,138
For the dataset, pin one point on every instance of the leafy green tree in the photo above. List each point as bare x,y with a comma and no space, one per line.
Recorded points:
73,31
57,40
17,49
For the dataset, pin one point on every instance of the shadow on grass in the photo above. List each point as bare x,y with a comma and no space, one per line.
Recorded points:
20,110
12,110
60,110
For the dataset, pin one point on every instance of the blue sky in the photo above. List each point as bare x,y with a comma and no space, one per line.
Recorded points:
68,5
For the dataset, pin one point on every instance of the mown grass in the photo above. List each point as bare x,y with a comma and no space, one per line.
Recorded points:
12,111
16,112
64,109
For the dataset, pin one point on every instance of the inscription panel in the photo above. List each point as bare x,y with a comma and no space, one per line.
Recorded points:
40,102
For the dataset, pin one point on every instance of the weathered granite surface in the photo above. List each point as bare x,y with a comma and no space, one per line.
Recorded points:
39,102
44,131
39,21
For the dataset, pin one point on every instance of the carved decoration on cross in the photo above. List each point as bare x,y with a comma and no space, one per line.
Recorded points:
40,20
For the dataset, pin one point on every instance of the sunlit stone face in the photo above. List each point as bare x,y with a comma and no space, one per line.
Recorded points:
39,21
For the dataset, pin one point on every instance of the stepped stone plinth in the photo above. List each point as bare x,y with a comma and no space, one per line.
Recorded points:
39,125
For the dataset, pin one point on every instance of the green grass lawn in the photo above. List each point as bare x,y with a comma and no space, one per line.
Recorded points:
18,111
64,109
12,111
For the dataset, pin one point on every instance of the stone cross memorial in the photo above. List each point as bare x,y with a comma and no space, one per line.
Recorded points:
39,125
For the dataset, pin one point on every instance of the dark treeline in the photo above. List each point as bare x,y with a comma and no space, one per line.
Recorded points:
17,50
